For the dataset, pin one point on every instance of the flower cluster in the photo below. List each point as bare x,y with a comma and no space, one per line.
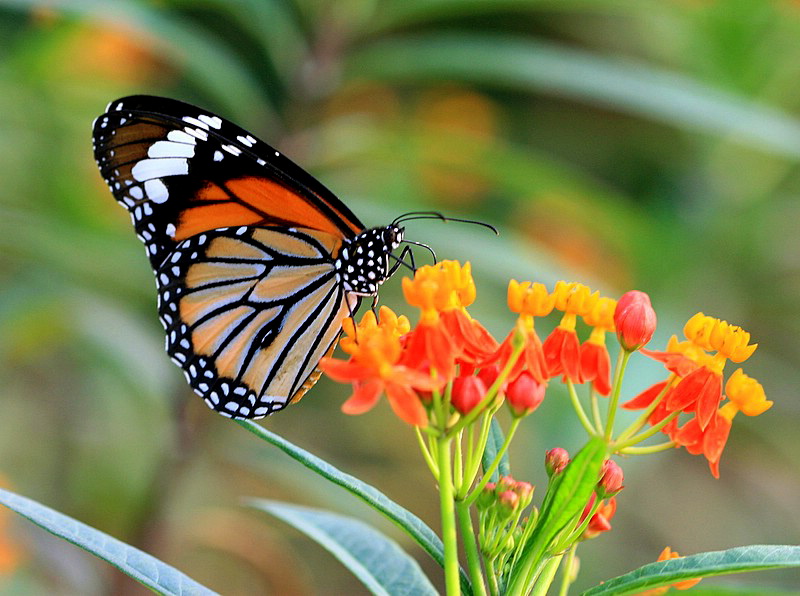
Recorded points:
448,377
694,387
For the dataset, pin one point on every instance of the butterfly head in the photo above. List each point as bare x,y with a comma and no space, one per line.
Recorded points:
363,262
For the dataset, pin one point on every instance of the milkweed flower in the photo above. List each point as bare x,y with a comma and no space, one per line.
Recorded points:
524,394
562,348
446,332
595,360
528,300
695,387
374,367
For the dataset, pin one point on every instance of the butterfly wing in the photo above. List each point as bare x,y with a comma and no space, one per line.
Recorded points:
242,241
180,171
249,312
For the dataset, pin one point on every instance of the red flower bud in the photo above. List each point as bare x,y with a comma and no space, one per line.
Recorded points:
611,479
635,320
467,393
556,460
524,394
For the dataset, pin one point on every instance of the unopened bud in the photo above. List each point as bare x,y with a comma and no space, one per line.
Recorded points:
524,394
556,460
467,393
635,320
611,480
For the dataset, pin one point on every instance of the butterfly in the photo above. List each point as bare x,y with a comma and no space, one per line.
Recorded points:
256,262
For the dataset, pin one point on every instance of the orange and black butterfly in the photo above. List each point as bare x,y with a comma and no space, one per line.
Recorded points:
256,262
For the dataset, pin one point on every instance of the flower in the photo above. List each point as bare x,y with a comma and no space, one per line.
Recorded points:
445,331
595,361
635,320
374,368
747,394
714,334
709,440
524,394
562,348
601,520
529,300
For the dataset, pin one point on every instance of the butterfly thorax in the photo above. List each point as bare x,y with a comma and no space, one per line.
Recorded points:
363,262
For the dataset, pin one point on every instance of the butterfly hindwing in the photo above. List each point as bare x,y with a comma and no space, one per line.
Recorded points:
249,312
180,171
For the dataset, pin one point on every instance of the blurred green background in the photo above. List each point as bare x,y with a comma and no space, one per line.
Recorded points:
648,144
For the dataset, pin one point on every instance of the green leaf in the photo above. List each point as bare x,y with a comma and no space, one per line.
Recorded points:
372,557
564,501
404,519
144,568
542,67
722,562
493,445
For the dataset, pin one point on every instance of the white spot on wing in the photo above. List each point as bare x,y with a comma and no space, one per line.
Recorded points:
156,191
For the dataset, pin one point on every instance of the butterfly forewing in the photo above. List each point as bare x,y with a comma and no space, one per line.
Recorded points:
180,171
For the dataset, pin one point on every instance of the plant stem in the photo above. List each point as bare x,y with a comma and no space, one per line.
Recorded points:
545,579
566,571
449,536
470,548
619,371
576,405
495,464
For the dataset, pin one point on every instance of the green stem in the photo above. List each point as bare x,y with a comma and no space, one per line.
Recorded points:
545,579
619,371
576,404
470,548
645,415
646,434
598,419
426,454
449,536
566,571
647,450
495,464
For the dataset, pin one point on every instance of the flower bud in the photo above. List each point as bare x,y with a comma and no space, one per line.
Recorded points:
635,320
467,393
524,491
524,394
508,500
611,479
556,460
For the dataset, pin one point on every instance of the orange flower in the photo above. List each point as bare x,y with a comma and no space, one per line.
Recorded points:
601,520
747,394
595,361
709,440
561,348
529,300
374,368
445,331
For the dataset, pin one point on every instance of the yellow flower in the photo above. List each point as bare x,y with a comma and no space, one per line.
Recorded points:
720,336
747,394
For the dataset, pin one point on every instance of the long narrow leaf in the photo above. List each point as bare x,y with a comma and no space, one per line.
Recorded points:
542,67
407,521
144,568
372,557
722,562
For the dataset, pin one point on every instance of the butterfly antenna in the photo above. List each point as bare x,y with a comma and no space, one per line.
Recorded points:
412,215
